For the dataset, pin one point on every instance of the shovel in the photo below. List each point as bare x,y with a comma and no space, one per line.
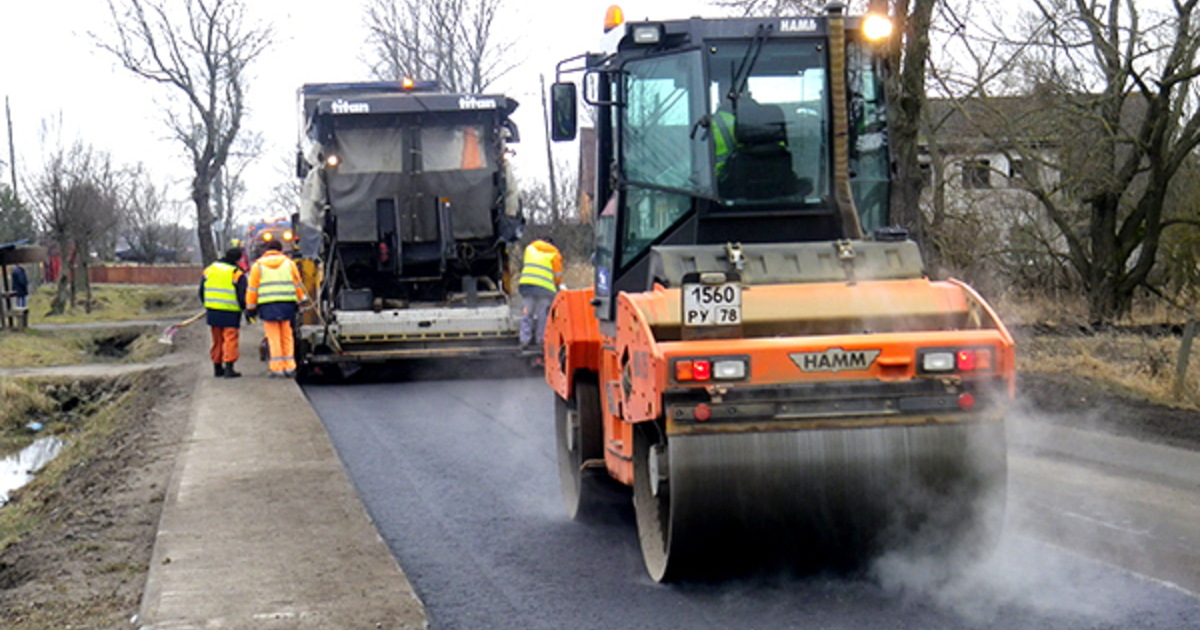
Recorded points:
168,336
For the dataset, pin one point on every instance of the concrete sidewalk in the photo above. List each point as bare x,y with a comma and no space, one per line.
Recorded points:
261,527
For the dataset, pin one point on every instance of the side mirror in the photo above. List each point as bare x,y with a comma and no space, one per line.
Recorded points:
301,165
513,136
562,111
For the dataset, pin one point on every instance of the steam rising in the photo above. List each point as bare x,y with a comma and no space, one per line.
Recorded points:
1022,573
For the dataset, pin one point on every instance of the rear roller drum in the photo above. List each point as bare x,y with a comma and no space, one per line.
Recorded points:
580,439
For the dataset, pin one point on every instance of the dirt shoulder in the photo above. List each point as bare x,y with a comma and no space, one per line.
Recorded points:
1085,403
84,564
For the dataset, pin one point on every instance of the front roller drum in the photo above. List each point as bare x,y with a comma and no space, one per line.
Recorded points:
580,440
711,505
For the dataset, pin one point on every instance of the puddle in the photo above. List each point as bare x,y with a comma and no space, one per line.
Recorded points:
17,470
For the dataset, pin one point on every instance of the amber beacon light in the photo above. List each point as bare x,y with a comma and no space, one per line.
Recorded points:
613,18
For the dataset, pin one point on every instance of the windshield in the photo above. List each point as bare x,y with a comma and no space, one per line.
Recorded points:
768,123
411,149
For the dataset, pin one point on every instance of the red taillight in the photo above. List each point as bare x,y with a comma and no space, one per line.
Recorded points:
965,360
976,360
702,412
688,370
966,401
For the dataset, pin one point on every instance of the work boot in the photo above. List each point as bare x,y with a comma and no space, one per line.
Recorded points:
218,370
230,372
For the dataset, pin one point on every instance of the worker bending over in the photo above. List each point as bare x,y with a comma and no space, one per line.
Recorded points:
541,275
273,293
223,291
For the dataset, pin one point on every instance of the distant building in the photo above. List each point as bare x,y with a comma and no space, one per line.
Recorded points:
981,161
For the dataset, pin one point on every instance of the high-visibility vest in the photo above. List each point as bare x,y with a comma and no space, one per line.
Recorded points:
723,140
275,284
220,294
538,269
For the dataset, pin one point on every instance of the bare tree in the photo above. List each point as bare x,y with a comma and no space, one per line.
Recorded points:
203,55
229,187
908,56
543,206
1114,88
75,198
447,40
147,222
285,194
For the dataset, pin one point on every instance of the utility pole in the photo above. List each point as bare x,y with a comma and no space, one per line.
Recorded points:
12,152
549,153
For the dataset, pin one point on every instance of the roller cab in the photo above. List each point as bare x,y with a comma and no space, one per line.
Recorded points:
761,357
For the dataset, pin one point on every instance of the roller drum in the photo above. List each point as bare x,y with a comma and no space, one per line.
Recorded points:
827,495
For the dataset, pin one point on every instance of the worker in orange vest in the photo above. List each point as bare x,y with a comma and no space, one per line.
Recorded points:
541,276
223,291
272,295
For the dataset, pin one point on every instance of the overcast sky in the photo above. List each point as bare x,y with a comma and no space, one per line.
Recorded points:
51,69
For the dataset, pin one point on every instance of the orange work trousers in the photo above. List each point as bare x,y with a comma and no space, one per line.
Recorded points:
224,345
279,339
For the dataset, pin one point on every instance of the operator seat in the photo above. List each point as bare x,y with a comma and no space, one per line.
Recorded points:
760,165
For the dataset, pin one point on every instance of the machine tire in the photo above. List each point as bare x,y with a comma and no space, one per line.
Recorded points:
582,488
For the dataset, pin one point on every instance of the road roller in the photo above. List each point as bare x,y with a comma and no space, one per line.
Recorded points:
761,356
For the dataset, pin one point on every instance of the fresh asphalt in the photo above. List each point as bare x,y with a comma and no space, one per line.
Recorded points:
459,475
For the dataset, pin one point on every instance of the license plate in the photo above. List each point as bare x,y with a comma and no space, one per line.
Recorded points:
712,304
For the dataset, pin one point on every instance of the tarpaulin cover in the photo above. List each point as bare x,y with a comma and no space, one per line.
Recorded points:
471,194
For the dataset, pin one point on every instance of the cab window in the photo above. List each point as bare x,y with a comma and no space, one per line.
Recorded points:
664,162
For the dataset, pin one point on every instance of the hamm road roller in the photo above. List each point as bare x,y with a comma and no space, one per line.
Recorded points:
760,356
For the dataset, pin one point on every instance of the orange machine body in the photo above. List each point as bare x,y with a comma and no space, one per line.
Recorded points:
804,346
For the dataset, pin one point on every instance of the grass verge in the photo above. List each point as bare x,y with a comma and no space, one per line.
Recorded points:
1131,364
46,348
84,413
117,303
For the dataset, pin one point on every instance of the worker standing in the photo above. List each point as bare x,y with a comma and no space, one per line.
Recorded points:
20,285
242,263
223,291
273,293
541,276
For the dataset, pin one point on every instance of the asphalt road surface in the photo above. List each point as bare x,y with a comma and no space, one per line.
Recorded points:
460,477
